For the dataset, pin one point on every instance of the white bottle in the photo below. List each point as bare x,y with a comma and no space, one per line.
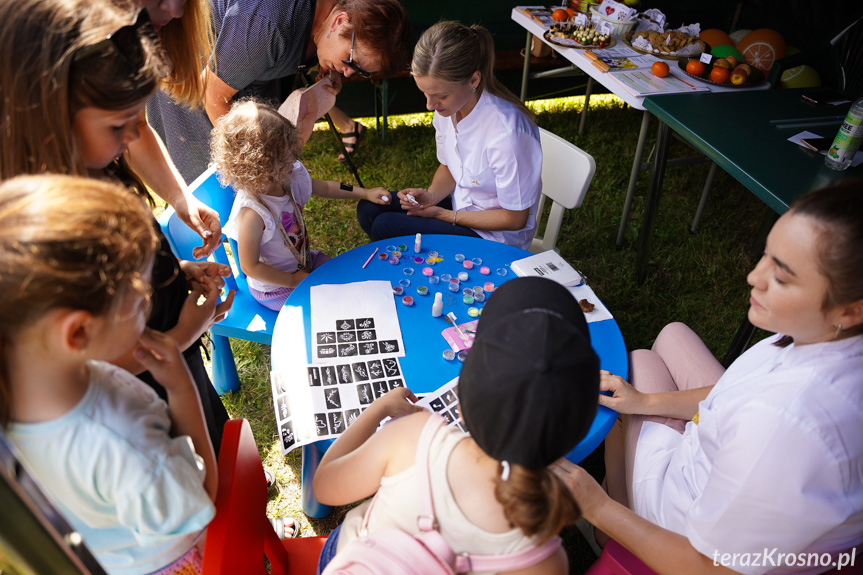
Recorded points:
437,306
848,139
418,244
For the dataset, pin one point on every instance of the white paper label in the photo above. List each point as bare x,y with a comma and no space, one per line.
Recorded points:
581,19
605,28
706,57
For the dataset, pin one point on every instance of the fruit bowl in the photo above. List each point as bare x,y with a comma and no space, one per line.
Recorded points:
756,78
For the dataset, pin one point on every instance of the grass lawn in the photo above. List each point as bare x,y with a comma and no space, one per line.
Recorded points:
699,279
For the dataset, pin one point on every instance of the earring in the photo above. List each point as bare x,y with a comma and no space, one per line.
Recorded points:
473,89
328,33
838,331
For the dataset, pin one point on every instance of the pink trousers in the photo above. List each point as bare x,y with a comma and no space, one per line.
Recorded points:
678,360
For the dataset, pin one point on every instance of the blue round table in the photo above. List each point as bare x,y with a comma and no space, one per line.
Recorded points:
423,365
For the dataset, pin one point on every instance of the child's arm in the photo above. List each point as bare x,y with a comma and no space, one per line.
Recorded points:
352,467
251,230
160,354
330,189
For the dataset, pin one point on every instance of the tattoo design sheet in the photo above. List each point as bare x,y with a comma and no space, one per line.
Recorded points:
354,321
330,398
444,400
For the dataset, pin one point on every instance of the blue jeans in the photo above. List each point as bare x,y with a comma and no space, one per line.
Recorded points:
390,221
329,549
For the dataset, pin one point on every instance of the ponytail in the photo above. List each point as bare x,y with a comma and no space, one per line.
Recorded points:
536,501
451,52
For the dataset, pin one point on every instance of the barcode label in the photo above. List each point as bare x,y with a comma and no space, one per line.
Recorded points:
551,266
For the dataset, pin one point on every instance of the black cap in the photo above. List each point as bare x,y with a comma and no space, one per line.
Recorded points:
529,386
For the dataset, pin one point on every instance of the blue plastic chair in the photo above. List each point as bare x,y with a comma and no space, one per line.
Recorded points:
248,319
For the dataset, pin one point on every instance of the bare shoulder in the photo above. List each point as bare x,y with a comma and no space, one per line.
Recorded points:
555,564
401,435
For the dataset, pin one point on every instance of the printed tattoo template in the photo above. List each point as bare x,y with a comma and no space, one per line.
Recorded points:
331,398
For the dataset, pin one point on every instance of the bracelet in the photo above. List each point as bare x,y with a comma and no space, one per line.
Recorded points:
454,216
346,187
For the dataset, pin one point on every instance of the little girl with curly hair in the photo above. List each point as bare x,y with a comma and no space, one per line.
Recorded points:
255,150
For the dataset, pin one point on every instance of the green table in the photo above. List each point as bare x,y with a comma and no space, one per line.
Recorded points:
745,133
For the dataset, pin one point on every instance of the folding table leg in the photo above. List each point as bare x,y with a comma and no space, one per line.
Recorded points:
703,202
645,236
633,176
526,70
587,92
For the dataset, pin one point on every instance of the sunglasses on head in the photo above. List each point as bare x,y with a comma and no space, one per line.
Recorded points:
353,65
126,40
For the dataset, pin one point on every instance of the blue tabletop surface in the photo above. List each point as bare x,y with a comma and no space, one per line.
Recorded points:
423,365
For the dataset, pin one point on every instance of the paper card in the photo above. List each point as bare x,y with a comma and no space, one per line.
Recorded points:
444,401
324,399
550,265
354,320
605,27
797,139
454,339
581,19
616,10
706,57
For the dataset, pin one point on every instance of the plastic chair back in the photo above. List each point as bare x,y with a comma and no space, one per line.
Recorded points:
248,320
240,535
566,174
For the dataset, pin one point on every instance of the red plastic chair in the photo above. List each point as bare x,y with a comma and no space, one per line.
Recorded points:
616,560
240,535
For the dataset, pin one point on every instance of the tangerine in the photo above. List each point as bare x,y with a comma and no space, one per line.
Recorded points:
659,69
695,67
560,15
719,75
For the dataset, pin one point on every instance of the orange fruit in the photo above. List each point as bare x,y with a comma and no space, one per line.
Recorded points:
659,69
695,67
719,75
571,12
560,15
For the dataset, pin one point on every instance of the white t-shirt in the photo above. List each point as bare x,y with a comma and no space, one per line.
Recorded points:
495,158
774,463
274,252
135,493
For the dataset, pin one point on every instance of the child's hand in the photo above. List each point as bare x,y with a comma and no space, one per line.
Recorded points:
398,402
197,271
159,353
378,196
412,198
196,318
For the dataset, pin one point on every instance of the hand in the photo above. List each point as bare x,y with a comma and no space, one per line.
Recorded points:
589,494
196,318
624,398
378,196
204,220
197,271
424,206
398,402
335,78
160,355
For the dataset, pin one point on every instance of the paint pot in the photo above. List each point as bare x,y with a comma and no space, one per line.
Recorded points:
445,277
428,272
468,265
502,271
462,276
422,290
408,271
448,354
394,260
398,290
476,261
488,287
459,258
468,299
472,312
408,300
434,280
462,355
405,282
484,270
383,257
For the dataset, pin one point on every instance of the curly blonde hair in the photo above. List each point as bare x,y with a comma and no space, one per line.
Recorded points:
252,146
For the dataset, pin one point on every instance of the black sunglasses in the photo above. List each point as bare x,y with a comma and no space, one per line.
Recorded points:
127,41
353,65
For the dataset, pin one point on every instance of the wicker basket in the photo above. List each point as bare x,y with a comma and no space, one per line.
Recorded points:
620,28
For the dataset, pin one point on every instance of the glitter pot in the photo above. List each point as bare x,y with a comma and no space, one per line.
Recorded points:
468,299
408,271
488,287
484,270
433,254
459,258
476,261
418,260
391,249
462,276
468,265
472,312
462,355
398,290
448,354
422,290
408,300
434,280
404,282
403,247
397,254
431,261
445,277
479,297
383,257
394,260
501,271
428,272
453,286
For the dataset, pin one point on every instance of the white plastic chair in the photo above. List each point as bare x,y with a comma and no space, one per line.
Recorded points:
566,174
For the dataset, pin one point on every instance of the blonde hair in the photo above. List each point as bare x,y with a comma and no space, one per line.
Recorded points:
252,145
43,86
189,41
536,501
66,242
451,52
